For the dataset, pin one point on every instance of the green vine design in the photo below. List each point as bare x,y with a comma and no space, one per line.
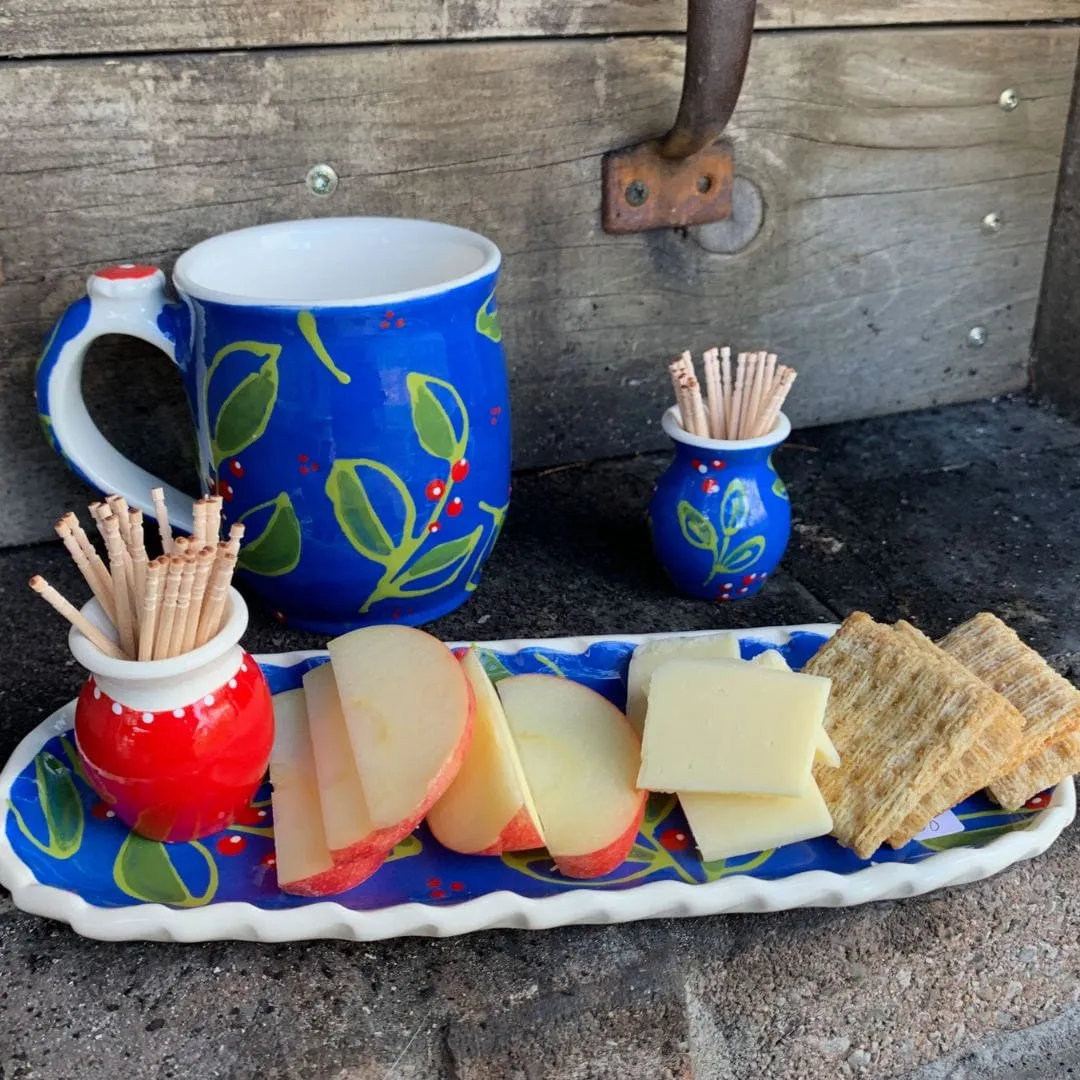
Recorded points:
411,565
779,488
498,516
699,532
648,855
306,322
487,321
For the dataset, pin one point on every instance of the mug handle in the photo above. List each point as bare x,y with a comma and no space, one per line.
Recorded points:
127,299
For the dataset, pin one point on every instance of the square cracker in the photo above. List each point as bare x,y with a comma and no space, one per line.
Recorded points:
900,718
1048,767
1049,703
977,767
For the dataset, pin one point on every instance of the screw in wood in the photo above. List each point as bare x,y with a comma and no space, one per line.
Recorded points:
1009,99
636,192
322,180
978,337
992,222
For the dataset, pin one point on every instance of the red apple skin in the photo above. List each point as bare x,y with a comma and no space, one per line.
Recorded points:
339,878
382,841
596,864
518,834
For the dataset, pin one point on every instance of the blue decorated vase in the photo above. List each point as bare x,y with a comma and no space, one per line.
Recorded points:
720,518
349,400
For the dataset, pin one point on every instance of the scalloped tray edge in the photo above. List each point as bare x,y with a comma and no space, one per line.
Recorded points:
662,899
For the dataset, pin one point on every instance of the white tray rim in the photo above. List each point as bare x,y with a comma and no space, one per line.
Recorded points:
241,921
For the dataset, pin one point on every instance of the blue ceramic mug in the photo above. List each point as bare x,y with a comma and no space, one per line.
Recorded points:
720,518
350,404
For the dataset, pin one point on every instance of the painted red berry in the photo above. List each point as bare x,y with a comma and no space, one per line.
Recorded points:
399,323
236,468
232,844
455,507
302,457
438,894
435,489
101,811
710,486
269,860
743,591
459,471
434,527
389,315
1038,802
724,596
304,470
675,839
695,464
224,489
749,579
718,464
280,616
384,325
314,466
727,586
433,882
457,886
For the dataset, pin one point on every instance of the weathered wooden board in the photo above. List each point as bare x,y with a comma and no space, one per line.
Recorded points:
65,27
878,154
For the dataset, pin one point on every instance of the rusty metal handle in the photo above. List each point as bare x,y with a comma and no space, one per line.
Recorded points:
718,34
686,178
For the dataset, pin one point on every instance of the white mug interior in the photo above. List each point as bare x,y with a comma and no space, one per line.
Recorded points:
340,262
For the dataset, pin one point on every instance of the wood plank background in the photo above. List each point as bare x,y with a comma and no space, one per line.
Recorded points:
878,154
63,27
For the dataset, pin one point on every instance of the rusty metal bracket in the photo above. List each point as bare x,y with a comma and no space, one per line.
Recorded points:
686,177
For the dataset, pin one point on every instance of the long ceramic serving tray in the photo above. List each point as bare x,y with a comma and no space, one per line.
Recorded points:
63,856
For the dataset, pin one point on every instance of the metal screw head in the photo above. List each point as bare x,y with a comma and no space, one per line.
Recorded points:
992,222
636,192
978,337
1009,99
322,180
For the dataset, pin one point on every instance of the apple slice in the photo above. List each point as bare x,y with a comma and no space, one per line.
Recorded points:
350,833
581,759
305,866
487,809
409,712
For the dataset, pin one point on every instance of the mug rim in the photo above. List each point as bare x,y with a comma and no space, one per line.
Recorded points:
186,285
674,430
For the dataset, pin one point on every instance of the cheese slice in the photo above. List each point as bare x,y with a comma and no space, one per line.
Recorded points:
728,727
649,656
824,752
728,825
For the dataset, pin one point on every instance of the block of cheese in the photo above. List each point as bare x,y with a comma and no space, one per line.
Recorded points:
727,825
728,727
824,753
649,656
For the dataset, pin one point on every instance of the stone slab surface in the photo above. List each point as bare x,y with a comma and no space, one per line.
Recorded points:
930,516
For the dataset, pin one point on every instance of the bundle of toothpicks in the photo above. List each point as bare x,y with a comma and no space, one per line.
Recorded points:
743,407
160,607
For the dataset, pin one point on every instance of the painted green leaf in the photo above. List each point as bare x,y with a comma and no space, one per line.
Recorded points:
144,870
696,527
487,321
347,489
779,488
244,414
971,838
46,426
734,508
275,550
450,556
308,327
743,556
494,667
657,808
640,853
434,427
498,516
406,849
60,801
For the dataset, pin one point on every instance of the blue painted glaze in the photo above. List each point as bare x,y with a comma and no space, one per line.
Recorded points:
414,397
237,864
720,520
